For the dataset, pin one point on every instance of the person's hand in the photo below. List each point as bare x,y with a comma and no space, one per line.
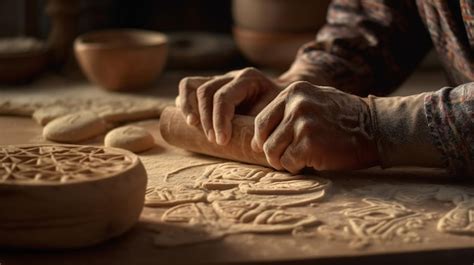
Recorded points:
318,127
213,101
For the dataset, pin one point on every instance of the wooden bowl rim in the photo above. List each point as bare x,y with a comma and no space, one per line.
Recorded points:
40,52
106,39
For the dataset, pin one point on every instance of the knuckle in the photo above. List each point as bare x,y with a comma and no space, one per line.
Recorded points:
300,103
179,102
220,96
291,160
203,92
299,86
306,127
269,148
191,83
286,163
260,122
184,83
249,71
184,104
299,107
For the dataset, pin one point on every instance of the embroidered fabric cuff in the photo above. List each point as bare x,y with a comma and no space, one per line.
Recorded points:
449,113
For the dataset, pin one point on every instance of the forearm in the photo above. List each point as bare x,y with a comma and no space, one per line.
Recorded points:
433,129
365,47
325,69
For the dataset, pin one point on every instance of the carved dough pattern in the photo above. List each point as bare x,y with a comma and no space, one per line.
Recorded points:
58,163
228,199
248,199
459,220
258,180
184,213
163,196
231,217
378,221
230,175
296,186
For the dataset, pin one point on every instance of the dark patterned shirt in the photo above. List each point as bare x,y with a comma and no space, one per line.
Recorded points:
371,46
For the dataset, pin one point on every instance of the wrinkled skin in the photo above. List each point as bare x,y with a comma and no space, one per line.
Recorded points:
212,101
317,127
299,126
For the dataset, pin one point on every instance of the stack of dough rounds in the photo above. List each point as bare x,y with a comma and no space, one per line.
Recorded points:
132,138
68,196
74,127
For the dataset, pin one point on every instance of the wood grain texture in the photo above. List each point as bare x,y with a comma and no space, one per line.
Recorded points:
165,161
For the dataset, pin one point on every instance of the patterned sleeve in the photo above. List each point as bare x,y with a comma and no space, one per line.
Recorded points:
366,46
450,116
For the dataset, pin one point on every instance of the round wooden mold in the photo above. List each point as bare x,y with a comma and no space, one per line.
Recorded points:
67,196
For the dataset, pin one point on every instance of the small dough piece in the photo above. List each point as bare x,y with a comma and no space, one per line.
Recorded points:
132,138
74,127
47,114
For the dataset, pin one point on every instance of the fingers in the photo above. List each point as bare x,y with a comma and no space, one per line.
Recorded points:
277,143
205,95
267,121
225,101
177,102
211,101
187,100
293,159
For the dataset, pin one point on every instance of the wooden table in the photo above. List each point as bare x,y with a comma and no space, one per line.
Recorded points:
136,247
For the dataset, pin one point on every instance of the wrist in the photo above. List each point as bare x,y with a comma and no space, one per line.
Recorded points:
297,74
371,155
401,132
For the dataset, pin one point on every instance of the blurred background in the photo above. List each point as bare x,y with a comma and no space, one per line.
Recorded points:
260,32
202,35
28,17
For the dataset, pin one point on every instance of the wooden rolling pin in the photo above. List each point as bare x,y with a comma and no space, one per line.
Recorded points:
177,132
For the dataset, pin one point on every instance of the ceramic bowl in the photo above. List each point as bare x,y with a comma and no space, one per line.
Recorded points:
270,49
24,61
280,15
122,59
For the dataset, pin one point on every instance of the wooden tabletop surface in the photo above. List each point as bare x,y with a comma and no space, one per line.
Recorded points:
136,246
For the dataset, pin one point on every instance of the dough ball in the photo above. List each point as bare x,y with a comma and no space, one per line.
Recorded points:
74,127
132,138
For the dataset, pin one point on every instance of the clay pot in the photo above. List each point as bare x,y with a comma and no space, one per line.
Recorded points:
22,66
280,15
270,49
123,59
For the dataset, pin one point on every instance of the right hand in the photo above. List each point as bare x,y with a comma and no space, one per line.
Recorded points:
213,101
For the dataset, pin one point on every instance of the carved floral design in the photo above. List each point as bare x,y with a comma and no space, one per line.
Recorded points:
59,163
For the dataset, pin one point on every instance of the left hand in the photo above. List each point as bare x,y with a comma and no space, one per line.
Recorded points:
318,127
